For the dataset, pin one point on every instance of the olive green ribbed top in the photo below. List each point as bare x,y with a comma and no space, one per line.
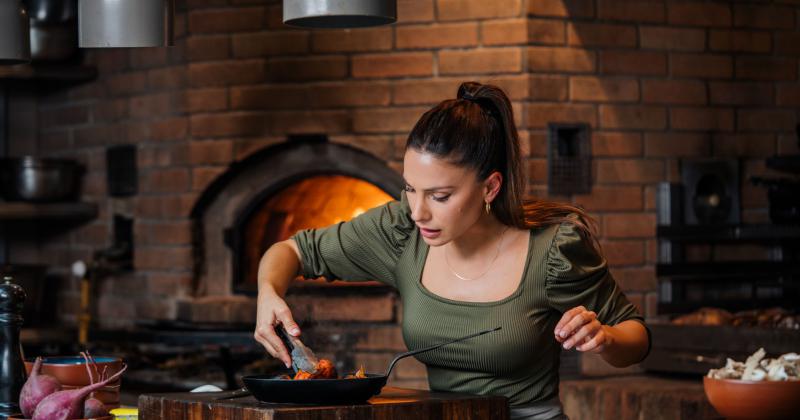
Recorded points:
520,361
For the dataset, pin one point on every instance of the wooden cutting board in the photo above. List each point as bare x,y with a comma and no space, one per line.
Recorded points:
391,404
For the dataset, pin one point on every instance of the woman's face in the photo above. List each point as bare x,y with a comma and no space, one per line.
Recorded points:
445,199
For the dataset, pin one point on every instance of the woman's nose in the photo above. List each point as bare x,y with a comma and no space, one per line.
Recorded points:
419,213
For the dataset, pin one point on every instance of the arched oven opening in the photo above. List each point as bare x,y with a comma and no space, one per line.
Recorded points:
302,183
281,210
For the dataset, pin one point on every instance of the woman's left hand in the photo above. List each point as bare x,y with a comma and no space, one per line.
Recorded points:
580,328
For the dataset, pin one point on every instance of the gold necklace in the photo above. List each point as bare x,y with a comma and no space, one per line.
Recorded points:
496,254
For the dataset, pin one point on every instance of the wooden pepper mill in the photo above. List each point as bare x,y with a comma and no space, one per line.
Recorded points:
12,367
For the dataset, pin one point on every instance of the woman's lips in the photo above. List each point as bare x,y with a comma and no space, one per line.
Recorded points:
429,233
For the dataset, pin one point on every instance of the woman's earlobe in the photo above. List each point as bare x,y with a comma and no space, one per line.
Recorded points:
490,193
494,184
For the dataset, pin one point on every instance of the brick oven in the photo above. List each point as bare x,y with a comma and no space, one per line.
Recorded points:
304,183
243,109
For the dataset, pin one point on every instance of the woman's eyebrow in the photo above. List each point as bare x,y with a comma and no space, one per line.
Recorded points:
444,187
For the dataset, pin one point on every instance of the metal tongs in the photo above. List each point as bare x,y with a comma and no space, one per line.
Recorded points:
302,357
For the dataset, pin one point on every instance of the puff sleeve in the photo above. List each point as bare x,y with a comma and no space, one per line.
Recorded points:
364,248
578,275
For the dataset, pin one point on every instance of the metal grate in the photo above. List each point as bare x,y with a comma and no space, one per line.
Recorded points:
569,159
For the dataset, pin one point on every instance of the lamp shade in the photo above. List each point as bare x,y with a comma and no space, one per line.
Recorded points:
15,45
339,13
125,23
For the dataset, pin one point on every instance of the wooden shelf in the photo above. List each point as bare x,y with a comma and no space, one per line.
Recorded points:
695,349
726,233
15,211
734,305
728,269
52,73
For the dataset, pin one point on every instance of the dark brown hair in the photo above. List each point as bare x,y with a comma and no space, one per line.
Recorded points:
477,130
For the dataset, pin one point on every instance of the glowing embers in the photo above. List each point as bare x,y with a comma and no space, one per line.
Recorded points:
312,202
325,370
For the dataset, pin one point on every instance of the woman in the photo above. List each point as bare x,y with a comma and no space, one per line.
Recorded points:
466,253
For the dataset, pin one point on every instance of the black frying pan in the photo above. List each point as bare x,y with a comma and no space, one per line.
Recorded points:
267,388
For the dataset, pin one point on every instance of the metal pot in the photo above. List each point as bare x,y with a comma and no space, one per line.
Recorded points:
40,180
54,29
52,11
14,44
53,42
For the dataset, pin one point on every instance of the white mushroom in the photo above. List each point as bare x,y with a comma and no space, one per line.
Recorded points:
776,372
758,368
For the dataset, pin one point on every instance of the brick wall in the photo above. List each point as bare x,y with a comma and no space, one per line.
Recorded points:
656,80
660,81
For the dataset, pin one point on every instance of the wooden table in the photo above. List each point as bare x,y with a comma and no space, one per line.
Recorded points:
391,404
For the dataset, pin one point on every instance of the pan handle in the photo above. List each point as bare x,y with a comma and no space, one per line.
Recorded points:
436,346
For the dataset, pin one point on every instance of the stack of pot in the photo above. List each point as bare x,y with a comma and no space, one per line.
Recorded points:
33,179
54,29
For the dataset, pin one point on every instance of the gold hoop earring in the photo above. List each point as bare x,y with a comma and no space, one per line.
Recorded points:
488,208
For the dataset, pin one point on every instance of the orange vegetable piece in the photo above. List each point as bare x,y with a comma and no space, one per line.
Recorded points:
325,370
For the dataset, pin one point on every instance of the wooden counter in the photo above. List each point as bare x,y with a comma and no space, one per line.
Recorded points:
391,404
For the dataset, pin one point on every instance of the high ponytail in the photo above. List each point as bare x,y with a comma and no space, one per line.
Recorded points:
477,130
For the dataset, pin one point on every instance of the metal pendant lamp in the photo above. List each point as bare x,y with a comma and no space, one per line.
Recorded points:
15,44
125,23
339,13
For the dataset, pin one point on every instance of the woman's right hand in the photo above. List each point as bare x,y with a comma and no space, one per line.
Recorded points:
272,313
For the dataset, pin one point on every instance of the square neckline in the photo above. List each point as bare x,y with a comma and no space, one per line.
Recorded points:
517,292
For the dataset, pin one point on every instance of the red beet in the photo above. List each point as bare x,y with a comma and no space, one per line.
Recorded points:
66,405
93,407
36,388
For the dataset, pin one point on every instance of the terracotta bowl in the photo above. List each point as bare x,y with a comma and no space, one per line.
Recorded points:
71,372
737,399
